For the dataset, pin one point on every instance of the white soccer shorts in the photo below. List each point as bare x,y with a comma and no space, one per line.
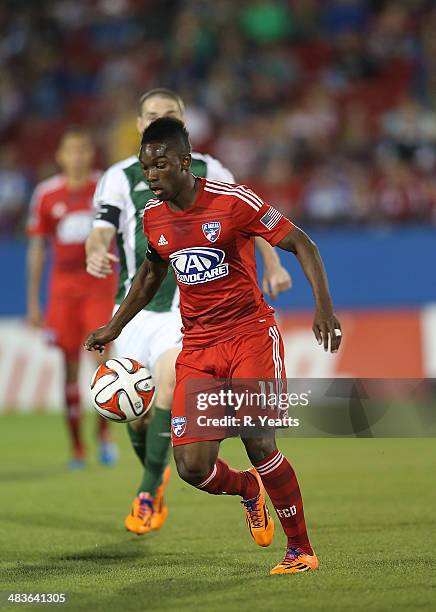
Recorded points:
148,335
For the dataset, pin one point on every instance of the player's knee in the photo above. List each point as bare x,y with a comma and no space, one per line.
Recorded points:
164,396
166,382
259,448
192,470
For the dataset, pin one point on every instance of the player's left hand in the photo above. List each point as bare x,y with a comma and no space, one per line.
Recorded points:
275,281
97,340
328,331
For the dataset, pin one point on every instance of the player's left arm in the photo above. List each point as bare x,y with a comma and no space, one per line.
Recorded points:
276,278
253,217
326,326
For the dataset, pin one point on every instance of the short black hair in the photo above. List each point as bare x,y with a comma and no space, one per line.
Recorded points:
161,92
169,131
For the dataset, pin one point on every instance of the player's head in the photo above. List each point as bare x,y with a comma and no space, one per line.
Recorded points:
75,153
158,103
165,156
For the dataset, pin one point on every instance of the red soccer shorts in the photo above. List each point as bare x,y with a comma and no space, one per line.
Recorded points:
252,355
73,313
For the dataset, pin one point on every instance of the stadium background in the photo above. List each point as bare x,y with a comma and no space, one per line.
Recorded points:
327,109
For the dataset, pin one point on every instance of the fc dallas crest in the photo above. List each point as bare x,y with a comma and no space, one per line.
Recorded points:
212,230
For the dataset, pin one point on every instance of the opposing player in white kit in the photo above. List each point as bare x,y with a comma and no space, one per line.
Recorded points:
153,337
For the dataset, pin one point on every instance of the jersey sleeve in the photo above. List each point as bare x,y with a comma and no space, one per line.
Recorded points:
217,172
39,222
111,198
152,255
254,217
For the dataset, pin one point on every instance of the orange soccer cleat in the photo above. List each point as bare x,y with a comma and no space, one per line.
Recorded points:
160,508
259,521
295,562
139,519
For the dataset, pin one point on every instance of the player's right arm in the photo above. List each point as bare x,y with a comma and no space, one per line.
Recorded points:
145,285
39,228
35,265
99,259
110,202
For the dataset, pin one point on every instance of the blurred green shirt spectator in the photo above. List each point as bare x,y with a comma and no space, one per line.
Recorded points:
266,22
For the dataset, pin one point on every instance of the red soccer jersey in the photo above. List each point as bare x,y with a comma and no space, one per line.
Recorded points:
64,216
211,249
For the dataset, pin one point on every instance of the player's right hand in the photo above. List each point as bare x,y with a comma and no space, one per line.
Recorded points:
97,339
34,316
100,263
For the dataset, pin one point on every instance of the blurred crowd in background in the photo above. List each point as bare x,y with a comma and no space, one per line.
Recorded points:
325,107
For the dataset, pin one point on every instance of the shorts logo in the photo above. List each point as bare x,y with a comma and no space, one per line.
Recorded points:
199,265
58,210
179,425
212,230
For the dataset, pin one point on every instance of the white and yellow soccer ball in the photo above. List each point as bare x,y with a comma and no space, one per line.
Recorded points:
122,390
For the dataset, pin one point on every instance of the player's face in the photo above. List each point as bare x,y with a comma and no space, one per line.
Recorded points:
155,108
75,154
164,170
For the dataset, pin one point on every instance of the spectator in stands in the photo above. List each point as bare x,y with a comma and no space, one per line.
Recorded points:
330,196
14,191
280,187
11,100
314,121
400,195
266,21
317,74
409,127
340,17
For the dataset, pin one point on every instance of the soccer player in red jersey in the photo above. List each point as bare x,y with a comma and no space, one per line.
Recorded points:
205,230
61,214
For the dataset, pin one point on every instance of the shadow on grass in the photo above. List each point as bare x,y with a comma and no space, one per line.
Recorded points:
100,558
31,475
202,581
58,521
326,528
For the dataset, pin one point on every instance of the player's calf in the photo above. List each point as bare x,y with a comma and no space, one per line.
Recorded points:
221,478
259,447
281,484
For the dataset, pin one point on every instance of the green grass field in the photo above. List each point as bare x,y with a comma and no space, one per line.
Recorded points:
370,505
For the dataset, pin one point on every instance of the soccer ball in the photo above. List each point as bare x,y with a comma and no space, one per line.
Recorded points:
122,390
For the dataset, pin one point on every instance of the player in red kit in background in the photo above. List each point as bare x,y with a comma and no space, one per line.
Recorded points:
229,330
61,213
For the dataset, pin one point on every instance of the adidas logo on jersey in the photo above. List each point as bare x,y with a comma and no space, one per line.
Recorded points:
162,240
